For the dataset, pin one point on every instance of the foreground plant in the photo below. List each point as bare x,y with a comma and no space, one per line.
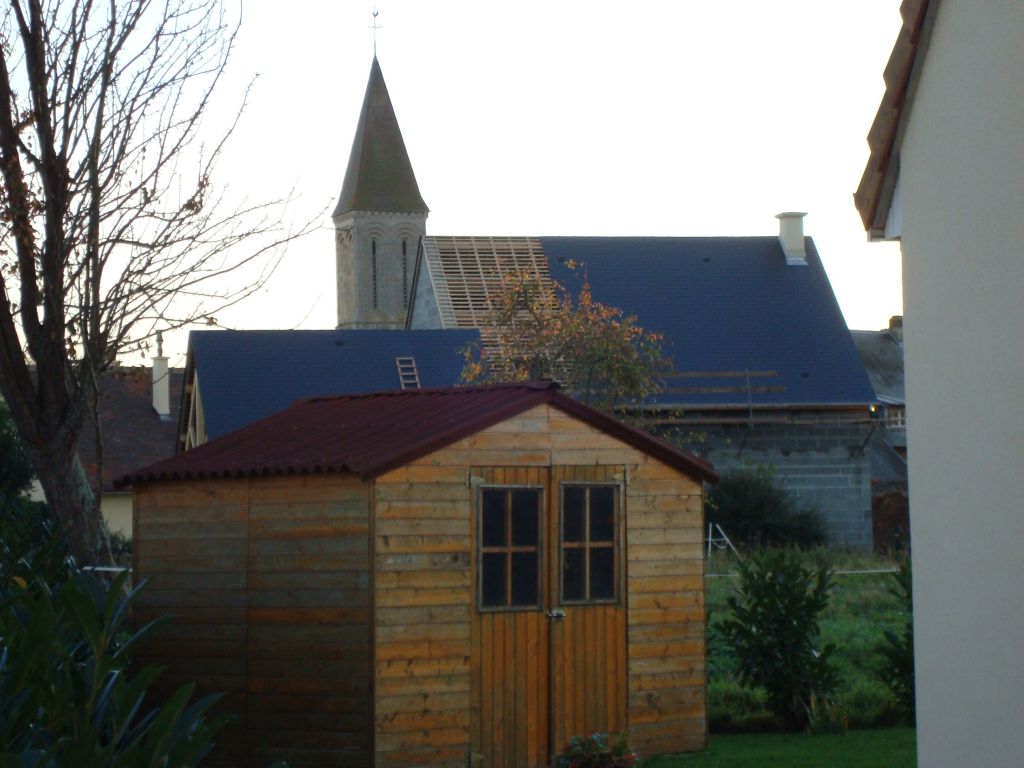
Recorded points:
774,632
599,750
67,694
897,650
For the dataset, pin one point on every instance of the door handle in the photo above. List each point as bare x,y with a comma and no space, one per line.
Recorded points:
556,613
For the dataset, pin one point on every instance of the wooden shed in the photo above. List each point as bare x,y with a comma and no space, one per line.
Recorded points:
428,577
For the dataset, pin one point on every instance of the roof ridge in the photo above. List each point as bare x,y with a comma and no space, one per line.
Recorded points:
535,386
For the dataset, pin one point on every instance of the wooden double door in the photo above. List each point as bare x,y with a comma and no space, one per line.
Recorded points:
549,624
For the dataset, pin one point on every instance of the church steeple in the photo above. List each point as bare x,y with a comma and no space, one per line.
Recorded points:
379,175
379,219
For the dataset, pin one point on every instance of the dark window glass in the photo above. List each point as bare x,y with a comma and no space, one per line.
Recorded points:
494,518
602,573
525,511
524,578
573,507
573,577
492,577
602,513
510,539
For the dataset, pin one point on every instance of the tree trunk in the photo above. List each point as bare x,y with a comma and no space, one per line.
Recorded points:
74,506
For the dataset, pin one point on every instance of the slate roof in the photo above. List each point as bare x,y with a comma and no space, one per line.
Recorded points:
373,433
882,355
742,327
379,175
247,375
874,194
133,433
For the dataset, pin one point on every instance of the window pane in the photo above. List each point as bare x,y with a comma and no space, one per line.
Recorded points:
572,513
602,573
525,508
494,518
492,579
524,578
572,574
602,513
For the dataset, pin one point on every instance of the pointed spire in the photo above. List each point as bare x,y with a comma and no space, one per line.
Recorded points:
379,175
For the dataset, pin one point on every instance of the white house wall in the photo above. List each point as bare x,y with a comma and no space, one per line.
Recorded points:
962,211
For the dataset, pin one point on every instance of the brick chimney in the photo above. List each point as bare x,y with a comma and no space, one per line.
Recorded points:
161,381
791,236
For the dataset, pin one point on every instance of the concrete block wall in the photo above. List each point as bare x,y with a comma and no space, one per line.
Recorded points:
822,462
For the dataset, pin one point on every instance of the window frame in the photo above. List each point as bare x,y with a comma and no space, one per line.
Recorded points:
617,542
541,549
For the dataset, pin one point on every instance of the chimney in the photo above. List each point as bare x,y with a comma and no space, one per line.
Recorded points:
896,327
161,381
791,236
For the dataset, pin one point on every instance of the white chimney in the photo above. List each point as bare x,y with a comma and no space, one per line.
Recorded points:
161,381
791,235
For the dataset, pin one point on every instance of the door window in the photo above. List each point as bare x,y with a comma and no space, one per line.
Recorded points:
509,548
589,544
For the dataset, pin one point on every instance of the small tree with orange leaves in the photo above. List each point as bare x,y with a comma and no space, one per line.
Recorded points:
537,330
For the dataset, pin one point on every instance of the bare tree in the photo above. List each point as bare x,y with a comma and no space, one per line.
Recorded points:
103,240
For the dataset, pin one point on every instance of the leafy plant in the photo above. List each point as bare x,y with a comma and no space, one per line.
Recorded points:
599,750
897,650
67,694
754,509
774,630
536,329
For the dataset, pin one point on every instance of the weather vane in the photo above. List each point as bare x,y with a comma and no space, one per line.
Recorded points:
375,26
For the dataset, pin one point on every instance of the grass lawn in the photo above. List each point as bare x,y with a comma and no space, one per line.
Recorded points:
887,748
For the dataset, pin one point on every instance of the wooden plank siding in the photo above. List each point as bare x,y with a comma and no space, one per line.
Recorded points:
434,693
667,707
269,582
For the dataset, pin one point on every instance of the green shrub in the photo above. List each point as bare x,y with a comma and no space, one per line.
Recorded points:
754,510
773,633
599,750
734,708
897,650
67,695
869,704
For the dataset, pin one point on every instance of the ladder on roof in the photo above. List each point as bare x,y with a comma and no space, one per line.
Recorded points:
408,376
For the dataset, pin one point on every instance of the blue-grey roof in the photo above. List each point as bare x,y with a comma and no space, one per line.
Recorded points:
247,375
726,306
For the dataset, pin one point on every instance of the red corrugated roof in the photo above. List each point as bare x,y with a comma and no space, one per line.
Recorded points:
374,433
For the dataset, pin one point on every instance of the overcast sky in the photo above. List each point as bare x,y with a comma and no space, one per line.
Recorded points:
570,118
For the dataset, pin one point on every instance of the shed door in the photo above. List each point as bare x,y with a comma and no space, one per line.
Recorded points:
549,629
588,645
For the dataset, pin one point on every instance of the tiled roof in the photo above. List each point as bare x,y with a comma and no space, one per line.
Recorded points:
133,434
247,375
874,193
373,433
379,175
882,355
743,328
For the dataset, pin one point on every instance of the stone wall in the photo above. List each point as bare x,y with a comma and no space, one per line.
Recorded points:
821,460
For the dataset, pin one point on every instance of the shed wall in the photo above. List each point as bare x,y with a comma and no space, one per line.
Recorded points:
269,582
423,589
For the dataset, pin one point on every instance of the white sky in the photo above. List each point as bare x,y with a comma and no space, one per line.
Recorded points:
571,117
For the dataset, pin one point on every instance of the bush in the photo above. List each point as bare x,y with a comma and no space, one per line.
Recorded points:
599,750
753,509
67,696
869,704
774,630
897,650
734,708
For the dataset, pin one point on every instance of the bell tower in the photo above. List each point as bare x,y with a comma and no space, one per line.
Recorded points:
379,219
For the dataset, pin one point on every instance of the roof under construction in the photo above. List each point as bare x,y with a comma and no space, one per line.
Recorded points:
371,434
